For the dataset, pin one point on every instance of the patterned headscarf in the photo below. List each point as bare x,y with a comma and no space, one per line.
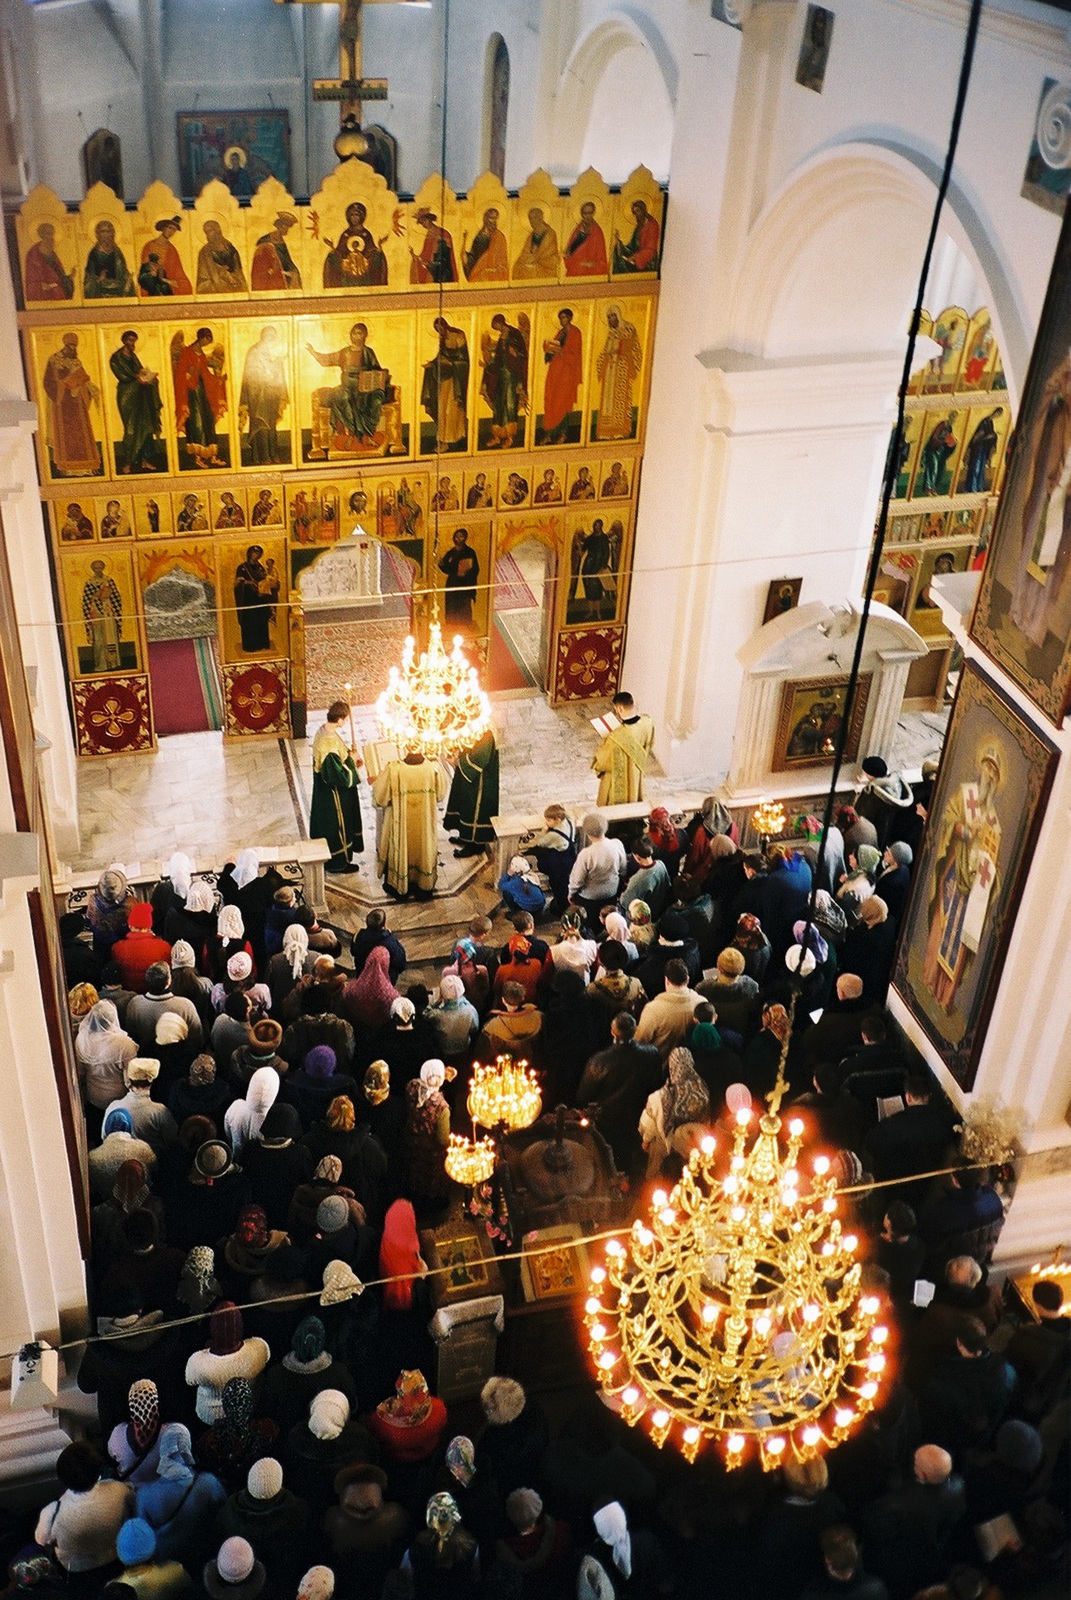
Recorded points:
775,1021
296,948
377,1083
230,923
182,955
200,896
410,1404
442,1516
81,1000
252,1227
639,913
749,934
868,859
461,1459
235,1431
240,966
130,1190
685,1097
451,991
143,1404
329,1168
661,830
198,1287
432,1077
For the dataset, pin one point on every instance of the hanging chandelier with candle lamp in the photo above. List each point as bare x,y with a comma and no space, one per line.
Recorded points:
470,1161
733,1311
433,703
504,1094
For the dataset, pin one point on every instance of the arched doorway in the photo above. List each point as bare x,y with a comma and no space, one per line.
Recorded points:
522,621
357,599
497,114
178,589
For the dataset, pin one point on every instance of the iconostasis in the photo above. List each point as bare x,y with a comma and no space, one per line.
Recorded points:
951,469
263,429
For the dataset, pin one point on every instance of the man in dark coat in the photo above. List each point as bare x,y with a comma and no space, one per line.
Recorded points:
375,932
614,1087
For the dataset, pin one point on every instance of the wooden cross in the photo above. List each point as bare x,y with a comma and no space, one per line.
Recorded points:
349,88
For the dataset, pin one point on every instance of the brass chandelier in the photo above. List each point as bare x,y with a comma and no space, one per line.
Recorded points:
734,1311
504,1095
433,703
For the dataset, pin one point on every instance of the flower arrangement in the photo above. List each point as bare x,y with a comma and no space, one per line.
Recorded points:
989,1133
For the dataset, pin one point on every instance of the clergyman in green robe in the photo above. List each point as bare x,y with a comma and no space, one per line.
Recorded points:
473,798
335,814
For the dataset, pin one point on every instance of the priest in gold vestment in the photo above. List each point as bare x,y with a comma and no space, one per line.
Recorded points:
623,755
408,793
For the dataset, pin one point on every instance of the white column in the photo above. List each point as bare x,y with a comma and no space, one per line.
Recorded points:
41,1269
790,463
888,701
27,554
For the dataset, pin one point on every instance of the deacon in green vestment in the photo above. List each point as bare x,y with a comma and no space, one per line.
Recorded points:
473,798
335,814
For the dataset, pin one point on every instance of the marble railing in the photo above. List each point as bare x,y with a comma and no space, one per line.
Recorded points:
300,863
515,831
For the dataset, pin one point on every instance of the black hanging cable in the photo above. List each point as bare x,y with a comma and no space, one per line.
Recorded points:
889,482
436,498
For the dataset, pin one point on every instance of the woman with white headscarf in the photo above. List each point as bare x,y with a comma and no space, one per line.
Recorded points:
240,976
631,1559
230,939
427,1134
288,964
194,921
242,883
453,1020
170,893
102,1049
245,1118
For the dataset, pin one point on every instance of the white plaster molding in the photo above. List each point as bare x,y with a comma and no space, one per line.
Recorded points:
748,394
1029,33
795,642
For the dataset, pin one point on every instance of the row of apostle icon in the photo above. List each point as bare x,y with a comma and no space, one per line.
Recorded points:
242,392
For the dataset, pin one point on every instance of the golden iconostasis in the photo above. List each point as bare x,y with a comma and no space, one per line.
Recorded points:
201,448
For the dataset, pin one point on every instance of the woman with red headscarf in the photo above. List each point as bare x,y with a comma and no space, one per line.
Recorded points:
399,1254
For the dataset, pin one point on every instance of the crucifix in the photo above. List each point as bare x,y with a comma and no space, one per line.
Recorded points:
350,89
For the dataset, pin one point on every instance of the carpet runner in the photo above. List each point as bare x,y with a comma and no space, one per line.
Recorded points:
512,591
187,695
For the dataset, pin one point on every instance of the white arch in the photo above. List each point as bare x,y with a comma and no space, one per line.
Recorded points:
831,265
589,60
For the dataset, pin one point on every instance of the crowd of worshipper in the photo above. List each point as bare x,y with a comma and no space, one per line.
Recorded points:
268,1106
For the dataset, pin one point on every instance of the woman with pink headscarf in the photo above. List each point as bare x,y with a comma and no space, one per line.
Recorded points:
367,999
